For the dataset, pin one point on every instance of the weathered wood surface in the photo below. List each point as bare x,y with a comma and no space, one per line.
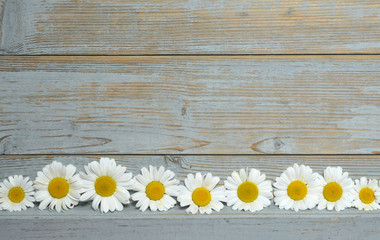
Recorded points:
180,106
105,27
191,105
272,223
182,165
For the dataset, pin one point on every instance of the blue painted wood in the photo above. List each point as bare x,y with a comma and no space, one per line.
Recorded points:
204,104
271,223
107,27
190,105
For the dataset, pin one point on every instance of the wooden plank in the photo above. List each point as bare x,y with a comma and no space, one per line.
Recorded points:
182,165
130,224
192,105
107,27
271,223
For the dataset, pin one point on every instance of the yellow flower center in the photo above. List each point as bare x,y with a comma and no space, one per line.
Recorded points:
16,194
58,187
247,192
297,190
201,196
155,190
367,195
332,192
105,186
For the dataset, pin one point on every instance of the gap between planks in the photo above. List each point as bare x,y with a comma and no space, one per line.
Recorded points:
192,55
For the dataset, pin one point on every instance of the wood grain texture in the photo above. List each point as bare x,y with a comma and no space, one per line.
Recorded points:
192,105
182,165
273,223
105,27
62,108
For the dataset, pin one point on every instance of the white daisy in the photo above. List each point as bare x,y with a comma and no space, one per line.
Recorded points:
106,184
16,193
298,188
248,192
337,189
200,194
155,189
366,194
57,187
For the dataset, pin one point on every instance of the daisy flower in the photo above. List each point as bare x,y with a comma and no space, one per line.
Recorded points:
16,193
366,194
201,195
298,188
337,189
57,187
248,192
155,189
106,184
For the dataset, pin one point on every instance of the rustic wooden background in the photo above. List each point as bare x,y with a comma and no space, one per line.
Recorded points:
193,85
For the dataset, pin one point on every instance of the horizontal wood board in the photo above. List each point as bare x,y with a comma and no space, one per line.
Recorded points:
179,226
182,165
124,27
190,105
81,222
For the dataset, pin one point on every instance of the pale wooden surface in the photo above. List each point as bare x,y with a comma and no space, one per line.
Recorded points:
105,27
192,105
271,223
219,165
213,110
134,225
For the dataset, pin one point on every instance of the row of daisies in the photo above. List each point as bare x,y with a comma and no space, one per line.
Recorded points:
108,185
